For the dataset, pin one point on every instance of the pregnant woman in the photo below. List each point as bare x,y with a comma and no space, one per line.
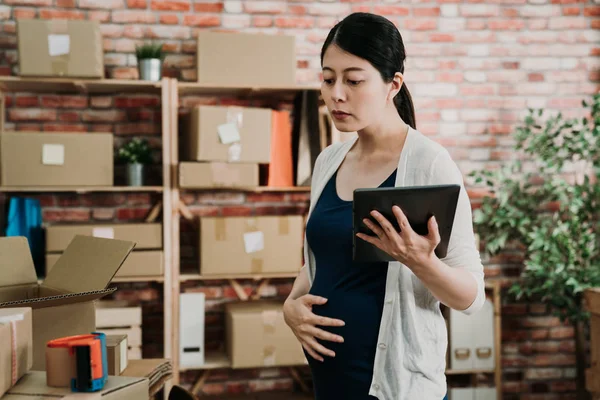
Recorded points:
375,330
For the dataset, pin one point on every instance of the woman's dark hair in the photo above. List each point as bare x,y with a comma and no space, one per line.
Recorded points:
377,40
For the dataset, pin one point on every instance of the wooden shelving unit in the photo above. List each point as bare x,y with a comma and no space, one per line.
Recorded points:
116,87
170,91
80,86
216,360
78,189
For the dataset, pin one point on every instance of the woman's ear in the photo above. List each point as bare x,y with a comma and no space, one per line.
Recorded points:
396,85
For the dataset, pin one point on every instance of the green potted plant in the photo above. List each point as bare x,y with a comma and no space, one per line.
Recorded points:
150,57
548,200
135,154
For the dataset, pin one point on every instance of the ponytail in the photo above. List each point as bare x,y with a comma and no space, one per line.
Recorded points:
405,107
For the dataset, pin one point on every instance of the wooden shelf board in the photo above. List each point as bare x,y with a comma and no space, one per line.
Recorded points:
470,371
256,277
213,360
138,279
74,85
255,189
195,88
219,360
79,189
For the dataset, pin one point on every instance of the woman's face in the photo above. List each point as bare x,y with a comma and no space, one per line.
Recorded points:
353,90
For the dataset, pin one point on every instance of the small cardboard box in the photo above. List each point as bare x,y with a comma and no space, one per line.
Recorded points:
63,304
250,245
199,175
251,60
33,387
257,336
63,48
138,264
56,159
116,353
229,134
16,346
145,236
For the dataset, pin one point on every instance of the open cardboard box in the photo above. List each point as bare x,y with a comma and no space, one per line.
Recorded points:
63,304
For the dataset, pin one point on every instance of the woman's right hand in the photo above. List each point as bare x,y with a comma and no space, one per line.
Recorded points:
299,317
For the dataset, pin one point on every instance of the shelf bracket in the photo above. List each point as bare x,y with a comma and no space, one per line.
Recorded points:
239,290
258,294
299,380
200,382
154,212
185,211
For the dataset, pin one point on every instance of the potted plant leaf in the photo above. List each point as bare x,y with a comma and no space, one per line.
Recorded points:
548,201
135,154
150,57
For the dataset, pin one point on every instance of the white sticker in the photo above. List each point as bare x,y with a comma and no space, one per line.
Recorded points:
58,45
108,233
228,133
53,154
254,241
11,318
235,152
123,353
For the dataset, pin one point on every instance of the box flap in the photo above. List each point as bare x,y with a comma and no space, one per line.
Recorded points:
88,264
16,263
58,300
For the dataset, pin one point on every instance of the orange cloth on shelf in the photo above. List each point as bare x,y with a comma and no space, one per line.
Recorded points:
281,166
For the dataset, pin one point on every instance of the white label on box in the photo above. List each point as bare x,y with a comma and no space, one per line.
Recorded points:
108,233
228,133
254,241
58,45
235,152
11,318
53,154
123,354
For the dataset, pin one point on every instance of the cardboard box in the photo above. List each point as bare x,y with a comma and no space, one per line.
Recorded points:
62,48
201,175
251,60
246,132
145,236
63,304
116,353
16,346
138,264
56,159
118,318
250,245
33,387
257,336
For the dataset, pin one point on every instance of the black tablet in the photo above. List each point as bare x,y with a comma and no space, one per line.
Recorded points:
418,203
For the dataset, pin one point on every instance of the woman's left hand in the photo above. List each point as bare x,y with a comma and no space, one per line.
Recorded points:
406,246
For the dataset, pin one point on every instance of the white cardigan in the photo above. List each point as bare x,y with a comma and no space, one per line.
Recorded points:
410,359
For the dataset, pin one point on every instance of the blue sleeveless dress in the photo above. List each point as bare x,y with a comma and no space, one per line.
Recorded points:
355,293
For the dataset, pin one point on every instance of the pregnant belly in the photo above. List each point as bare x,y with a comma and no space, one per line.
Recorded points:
362,316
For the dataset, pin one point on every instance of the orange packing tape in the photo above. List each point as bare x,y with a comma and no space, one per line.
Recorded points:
256,265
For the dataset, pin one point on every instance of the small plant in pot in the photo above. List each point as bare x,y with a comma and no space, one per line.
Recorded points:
150,57
135,154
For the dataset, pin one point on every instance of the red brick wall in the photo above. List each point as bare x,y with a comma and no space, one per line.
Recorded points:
473,68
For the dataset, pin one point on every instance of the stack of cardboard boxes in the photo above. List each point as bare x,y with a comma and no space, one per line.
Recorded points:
224,147
58,48
32,313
